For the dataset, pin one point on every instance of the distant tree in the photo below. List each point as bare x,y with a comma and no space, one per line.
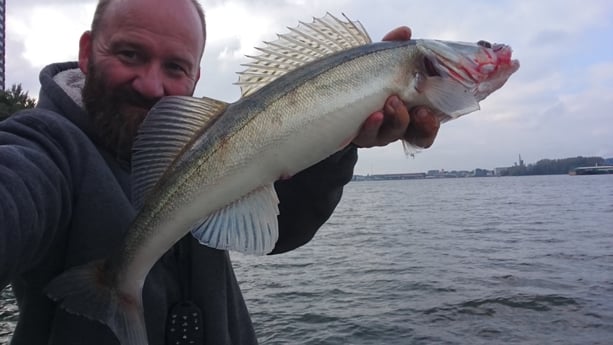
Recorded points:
563,166
13,100
553,166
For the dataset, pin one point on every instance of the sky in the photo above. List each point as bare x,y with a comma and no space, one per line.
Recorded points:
558,105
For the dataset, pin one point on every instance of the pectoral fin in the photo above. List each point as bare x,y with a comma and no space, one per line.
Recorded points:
450,97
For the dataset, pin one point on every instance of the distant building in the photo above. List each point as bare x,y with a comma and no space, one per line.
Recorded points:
501,170
2,43
521,161
435,173
388,177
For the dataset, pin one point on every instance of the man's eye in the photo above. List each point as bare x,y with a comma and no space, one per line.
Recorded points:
128,55
176,68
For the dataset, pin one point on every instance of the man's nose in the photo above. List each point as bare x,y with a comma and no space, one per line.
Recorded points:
150,83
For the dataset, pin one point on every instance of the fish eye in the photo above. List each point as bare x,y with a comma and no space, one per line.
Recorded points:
430,69
484,44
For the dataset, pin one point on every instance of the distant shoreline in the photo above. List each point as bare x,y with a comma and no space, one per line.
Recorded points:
424,176
573,166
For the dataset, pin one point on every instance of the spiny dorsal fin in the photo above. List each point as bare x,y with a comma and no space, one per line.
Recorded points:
303,44
168,128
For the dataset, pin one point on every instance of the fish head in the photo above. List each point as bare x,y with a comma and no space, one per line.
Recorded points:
468,71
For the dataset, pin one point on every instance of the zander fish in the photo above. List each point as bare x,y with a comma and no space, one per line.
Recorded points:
208,167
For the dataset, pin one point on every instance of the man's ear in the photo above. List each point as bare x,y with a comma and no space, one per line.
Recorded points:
85,50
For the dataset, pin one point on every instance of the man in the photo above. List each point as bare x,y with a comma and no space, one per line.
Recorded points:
65,178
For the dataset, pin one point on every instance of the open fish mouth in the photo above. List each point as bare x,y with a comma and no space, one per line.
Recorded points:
480,67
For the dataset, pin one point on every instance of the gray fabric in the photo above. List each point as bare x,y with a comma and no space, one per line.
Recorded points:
65,202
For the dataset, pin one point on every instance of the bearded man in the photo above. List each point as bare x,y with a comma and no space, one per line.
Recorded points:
65,178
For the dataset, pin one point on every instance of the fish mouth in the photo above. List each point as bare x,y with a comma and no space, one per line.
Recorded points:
480,67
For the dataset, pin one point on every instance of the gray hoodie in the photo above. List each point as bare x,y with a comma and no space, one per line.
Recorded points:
64,201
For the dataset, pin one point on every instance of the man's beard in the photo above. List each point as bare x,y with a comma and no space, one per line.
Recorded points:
116,130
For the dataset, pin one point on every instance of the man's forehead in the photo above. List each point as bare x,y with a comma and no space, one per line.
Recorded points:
178,12
166,17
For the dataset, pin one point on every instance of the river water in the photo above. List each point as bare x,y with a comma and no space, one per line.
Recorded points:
511,260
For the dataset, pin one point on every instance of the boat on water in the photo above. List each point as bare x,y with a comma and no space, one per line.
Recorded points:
594,170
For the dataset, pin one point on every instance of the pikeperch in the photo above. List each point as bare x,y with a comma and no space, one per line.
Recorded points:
206,166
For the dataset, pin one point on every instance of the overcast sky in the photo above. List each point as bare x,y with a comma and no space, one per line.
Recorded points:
559,104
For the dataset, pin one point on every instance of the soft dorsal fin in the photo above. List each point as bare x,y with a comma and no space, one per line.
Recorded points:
168,128
303,44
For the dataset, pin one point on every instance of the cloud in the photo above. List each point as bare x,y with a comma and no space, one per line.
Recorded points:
45,41
39,33
557,105
235,28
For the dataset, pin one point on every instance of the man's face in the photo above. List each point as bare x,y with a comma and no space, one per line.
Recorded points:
144,50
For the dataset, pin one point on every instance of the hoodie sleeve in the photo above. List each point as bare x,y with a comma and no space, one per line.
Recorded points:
308,199
35,193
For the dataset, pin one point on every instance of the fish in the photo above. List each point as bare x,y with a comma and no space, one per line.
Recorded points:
208,167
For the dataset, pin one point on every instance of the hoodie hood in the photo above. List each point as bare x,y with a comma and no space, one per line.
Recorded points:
60,92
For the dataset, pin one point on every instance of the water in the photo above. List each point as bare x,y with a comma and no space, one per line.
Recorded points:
515,260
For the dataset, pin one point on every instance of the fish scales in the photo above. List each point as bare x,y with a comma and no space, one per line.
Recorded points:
263,125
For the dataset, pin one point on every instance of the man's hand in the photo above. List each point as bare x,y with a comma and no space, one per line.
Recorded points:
394,121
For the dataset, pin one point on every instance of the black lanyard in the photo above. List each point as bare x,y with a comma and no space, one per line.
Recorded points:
184,321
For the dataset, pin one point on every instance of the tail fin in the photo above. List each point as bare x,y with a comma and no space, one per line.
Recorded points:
87,291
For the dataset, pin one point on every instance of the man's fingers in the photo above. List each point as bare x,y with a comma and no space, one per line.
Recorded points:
423,129
369,131
402,33
395,122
